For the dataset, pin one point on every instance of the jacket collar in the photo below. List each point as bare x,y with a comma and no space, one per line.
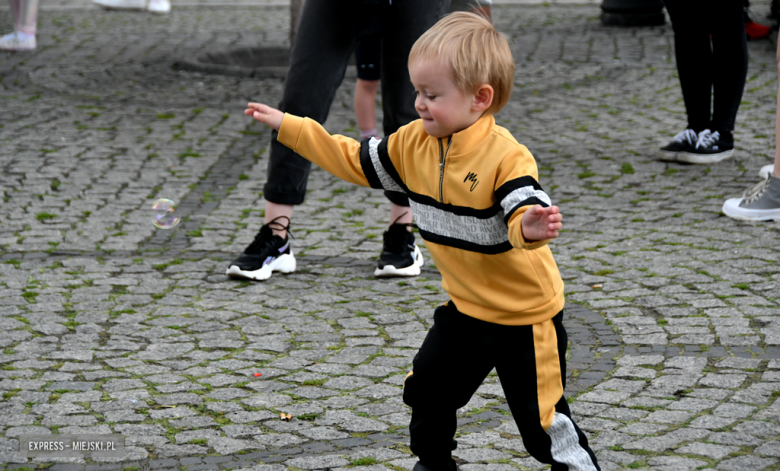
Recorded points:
466,141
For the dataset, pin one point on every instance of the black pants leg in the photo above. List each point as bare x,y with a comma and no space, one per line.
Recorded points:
729,48
327,37
457,354
447,370
403,21
706,65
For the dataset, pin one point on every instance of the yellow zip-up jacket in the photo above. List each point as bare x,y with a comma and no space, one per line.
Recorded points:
468,194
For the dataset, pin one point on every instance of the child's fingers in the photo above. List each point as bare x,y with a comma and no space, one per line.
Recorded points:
554,217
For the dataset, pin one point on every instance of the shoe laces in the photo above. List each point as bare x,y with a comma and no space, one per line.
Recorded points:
689,136
707,139
756,191
264,239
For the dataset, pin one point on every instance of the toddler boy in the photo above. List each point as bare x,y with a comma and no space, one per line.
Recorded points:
486,222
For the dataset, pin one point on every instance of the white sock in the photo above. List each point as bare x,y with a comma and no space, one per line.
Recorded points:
22,35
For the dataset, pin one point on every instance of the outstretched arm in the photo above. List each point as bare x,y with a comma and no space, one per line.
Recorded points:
337,154
540,223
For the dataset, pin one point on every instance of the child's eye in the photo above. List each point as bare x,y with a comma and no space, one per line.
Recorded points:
430,97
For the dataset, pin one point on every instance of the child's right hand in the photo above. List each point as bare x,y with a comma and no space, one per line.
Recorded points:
265,114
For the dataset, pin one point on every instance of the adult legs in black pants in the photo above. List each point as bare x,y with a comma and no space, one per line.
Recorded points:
327,37
711,51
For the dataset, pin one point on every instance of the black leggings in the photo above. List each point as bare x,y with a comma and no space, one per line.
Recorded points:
712,57
327,36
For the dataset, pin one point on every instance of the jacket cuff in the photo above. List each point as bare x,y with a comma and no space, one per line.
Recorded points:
290,130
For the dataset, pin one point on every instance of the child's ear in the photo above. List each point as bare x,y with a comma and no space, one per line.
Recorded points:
483,98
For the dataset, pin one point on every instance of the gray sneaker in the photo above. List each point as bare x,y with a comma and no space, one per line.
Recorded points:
760,202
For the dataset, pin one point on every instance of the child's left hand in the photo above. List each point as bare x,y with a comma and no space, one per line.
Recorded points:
540,223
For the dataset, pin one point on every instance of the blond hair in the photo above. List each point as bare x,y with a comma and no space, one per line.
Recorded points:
475,52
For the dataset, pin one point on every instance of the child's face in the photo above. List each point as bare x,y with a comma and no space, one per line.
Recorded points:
444,108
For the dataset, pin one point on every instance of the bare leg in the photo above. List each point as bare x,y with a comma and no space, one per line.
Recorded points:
777,122
365,104
28,16
275,210
400,215
15,8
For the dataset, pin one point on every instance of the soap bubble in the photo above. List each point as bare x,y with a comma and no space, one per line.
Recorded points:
165,216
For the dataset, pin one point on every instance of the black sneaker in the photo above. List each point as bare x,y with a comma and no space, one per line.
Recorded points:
709,149
684,141
451,466
266,254
400,255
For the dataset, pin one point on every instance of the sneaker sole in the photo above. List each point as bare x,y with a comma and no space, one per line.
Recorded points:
283,264
411,270
731,209
690,158
667,156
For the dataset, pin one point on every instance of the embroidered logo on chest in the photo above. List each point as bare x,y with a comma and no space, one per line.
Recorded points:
471,177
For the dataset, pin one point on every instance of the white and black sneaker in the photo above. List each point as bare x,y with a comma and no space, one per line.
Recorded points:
266,254
709,149
400,255
684,141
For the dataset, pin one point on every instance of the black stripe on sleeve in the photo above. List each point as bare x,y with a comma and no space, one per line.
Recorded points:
368,166
512,185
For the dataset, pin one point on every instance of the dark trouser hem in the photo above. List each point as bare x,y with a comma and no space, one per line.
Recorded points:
458,353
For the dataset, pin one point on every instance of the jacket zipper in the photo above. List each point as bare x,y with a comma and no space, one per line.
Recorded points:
442,159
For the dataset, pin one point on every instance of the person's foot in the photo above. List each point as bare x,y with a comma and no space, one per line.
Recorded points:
266,254
400,255
709,149
760,202
121,4
159,6
765,171
684,141
17,41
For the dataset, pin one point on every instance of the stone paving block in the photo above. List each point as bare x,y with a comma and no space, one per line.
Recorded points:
707,449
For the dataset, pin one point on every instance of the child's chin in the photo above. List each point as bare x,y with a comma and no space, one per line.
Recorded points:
431,128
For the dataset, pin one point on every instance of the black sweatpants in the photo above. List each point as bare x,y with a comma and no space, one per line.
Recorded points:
712,59
326,38
456,356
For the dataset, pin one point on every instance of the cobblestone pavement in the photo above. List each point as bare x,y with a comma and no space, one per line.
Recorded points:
112,326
